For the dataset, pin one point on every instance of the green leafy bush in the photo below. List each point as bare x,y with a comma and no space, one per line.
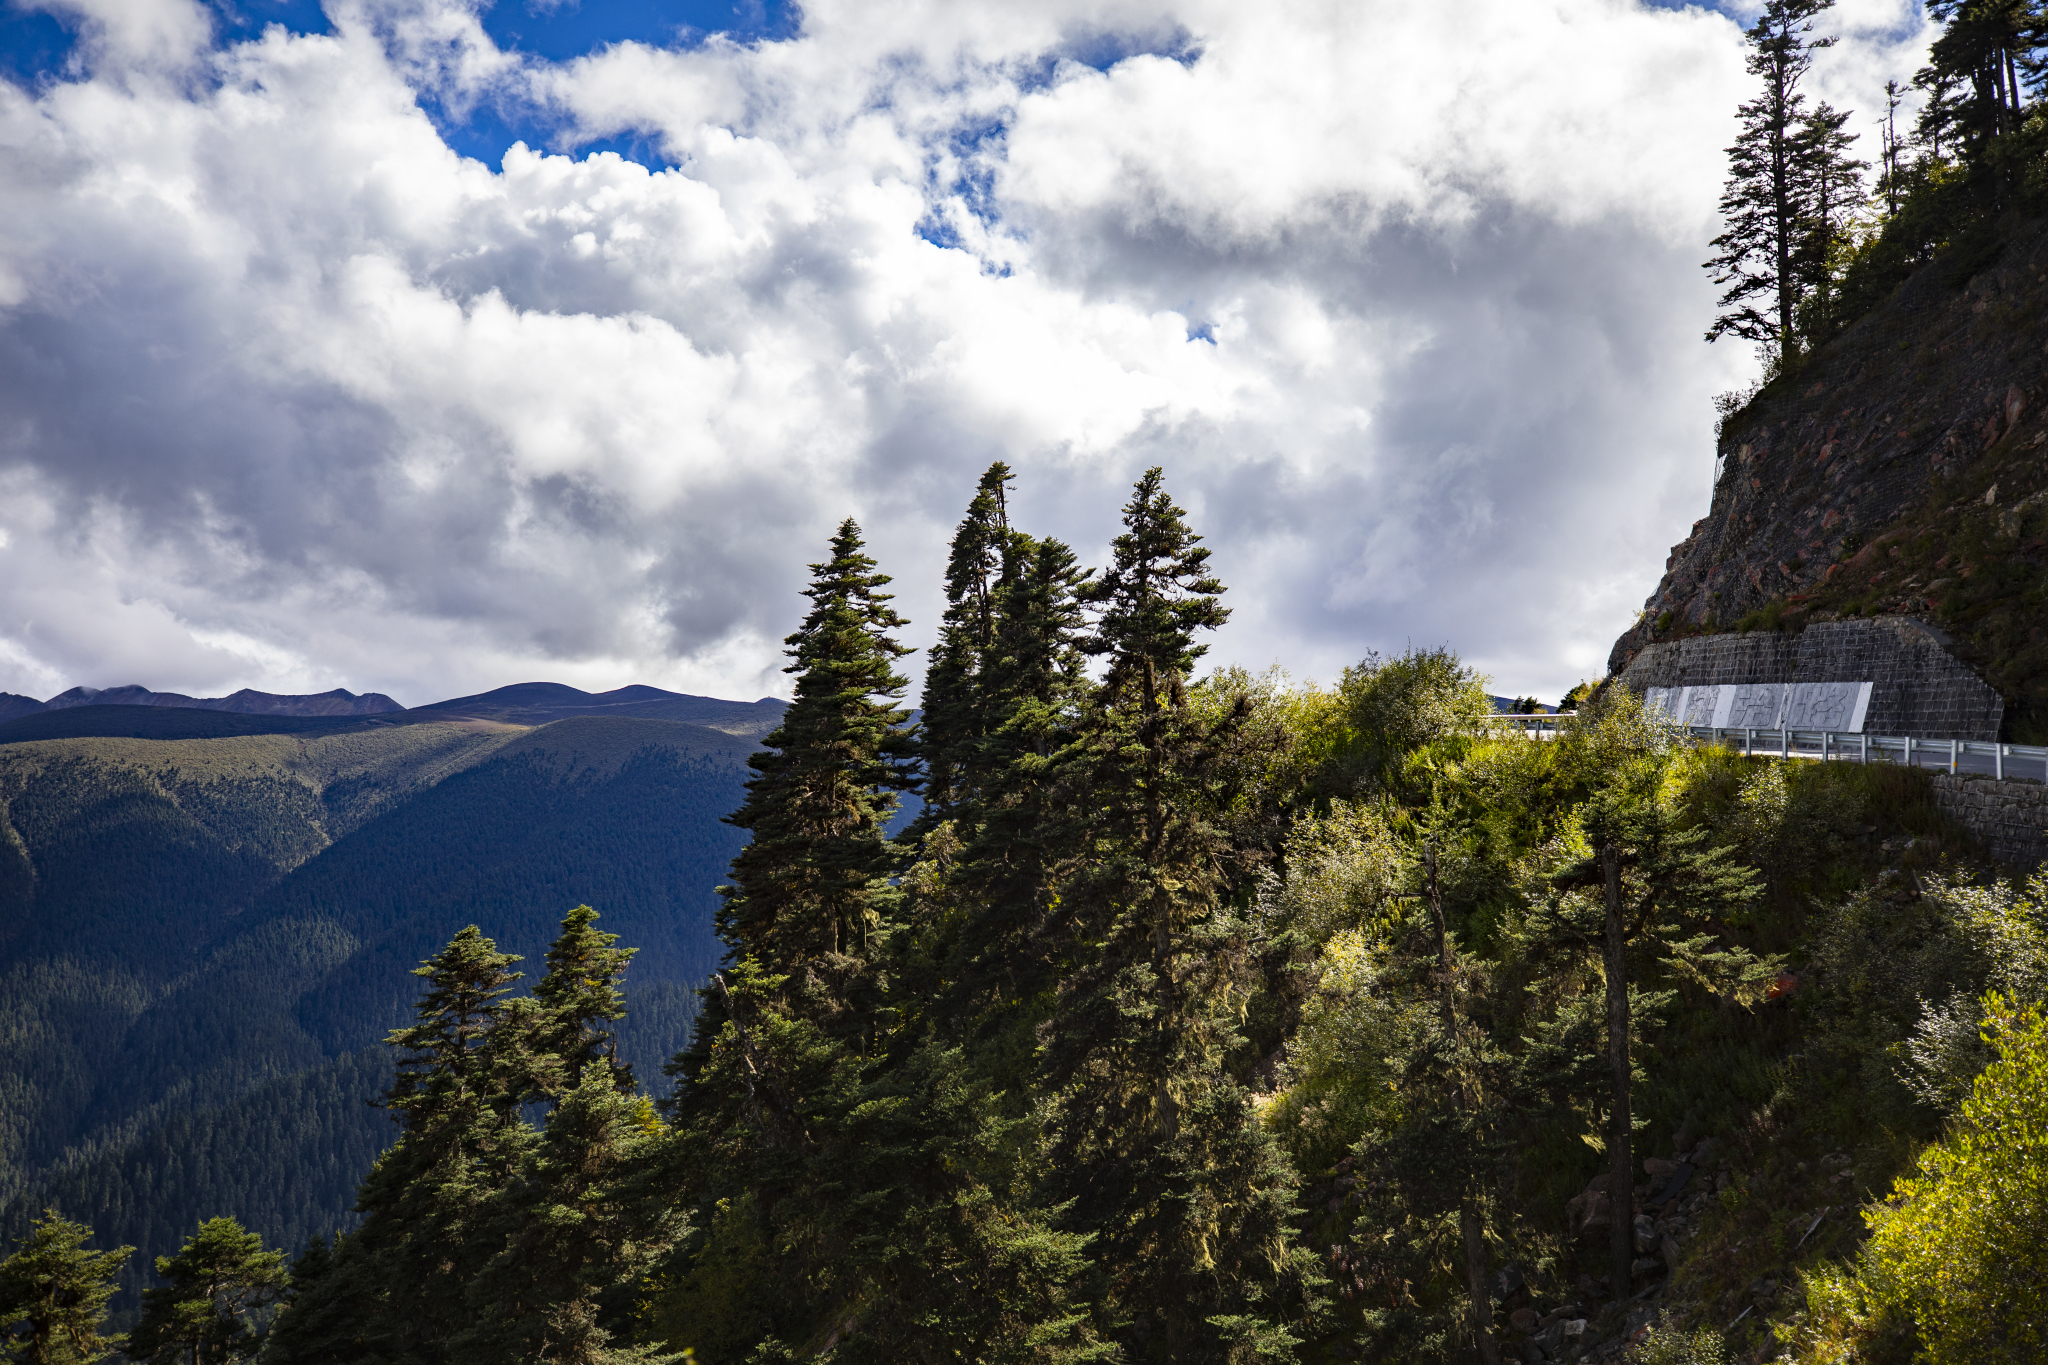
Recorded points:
1963,1245
1703,1347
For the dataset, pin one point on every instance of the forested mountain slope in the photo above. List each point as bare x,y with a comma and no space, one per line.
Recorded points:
199,938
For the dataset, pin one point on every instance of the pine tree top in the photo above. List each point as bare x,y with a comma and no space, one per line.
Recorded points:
1157,592
814,878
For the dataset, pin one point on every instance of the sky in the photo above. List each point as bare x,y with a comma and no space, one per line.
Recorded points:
425,346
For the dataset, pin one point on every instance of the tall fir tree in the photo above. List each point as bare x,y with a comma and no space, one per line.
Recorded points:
1642,898
958,708
1975,83
1891,165
811,888
1835,193
1151,1146
999,972
579,995
767,1087
856,1185
484,1237
1767,204
54,1293
210,1309
578,1228
429,1202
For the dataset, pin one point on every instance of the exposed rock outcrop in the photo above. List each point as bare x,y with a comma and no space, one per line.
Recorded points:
1900,472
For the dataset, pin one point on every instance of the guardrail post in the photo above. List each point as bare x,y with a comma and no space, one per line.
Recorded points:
1998,762
1909,751
1951,758
1863,750
1784,742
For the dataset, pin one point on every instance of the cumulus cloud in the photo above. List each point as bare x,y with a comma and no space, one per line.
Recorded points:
1405,298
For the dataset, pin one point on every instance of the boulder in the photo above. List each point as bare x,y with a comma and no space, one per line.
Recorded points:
1587,1214
1523,1319
1673,1182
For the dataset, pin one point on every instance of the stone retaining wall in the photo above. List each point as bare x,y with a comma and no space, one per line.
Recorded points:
2012,817
1920,689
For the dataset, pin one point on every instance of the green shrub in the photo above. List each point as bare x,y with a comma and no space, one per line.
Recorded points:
1703,1347
1962,1247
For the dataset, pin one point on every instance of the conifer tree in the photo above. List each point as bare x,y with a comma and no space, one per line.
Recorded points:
957,705
205,1313
998,973
577,997
1891,151
1975,79
484,1238
1767,204
864,1188
1641,897
811,888
431,1201
581,1224
1834,194
324,1315
773,1072
54,1293
1154,1144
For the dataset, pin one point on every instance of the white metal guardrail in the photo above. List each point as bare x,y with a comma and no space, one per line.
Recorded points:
2003,761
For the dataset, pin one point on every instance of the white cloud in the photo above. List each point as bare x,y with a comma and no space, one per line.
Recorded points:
1406,298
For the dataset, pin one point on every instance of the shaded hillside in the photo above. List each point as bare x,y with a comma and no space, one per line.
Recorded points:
1900,472
194,923
164,722
284,1157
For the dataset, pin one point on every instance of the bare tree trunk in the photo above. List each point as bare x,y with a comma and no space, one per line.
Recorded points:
1620,1181
1479,1307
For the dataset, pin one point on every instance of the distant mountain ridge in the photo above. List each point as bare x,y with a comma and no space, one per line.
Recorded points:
137,712
248,702
541,703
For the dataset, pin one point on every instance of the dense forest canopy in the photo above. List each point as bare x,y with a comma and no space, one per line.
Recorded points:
1197,1017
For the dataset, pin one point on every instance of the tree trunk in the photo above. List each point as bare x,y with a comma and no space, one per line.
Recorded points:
1475,1280
1479,1308
1785,212
1620,1180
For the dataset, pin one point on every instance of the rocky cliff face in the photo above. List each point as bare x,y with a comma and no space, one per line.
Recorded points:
1901,471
